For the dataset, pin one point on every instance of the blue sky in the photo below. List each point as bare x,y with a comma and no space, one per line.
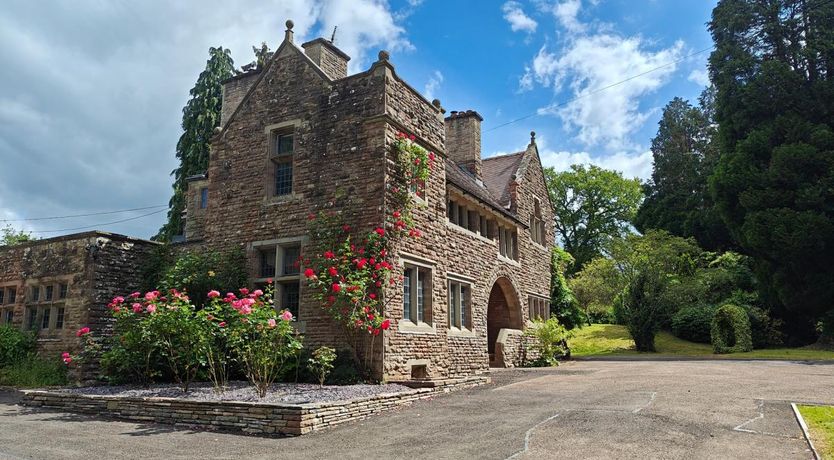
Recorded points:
92,91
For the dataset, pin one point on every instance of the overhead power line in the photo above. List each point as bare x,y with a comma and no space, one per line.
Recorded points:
99,225
102,213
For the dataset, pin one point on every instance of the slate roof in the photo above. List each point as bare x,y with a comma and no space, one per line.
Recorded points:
498,173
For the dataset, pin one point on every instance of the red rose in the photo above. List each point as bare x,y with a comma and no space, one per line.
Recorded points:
396,215
380,231
337,287
412,137
309,273
385,324
333,271
329,254
346,228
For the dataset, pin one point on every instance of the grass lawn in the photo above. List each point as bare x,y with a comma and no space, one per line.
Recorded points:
612,339
820,421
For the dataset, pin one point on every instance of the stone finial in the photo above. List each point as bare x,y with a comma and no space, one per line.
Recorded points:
436,103
217,130
288,33
384,55
532,137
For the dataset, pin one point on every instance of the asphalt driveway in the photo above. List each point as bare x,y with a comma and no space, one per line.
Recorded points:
591,409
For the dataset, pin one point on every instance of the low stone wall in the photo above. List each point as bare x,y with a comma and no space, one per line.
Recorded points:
248,417
514,349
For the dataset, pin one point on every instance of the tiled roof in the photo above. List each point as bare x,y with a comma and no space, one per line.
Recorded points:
466,182
498,173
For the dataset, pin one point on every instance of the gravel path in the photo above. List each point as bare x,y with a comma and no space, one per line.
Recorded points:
290,393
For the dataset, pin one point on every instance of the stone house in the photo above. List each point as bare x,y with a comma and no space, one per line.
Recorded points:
57,285
301,135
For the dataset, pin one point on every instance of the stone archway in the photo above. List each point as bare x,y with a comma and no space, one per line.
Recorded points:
503,313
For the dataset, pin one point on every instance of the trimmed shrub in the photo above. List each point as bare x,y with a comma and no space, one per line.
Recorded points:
731,330
644,313
694,324
15,345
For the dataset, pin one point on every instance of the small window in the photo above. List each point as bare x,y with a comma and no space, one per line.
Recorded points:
36,293
59,318
45,318
417,294
283,178
204,198
12,295
418,187
62,291
283,144
539,308
537,232
267,262
48,294
31,318
8,316
508,243
459,305
290,265
290,295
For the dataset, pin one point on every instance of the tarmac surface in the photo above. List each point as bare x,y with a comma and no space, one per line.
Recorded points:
586,409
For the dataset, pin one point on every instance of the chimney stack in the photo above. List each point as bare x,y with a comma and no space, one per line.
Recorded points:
331,60
463,140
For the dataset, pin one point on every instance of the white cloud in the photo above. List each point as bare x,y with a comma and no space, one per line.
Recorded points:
431,86
101,104
519,21
632,165
700,77
567,13
592,58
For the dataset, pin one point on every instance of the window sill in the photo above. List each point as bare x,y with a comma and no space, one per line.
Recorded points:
408,327
274,200
539,246
465,333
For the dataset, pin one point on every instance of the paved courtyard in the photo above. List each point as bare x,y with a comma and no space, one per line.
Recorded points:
588,409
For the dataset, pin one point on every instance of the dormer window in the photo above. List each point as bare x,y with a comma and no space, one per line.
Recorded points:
281,155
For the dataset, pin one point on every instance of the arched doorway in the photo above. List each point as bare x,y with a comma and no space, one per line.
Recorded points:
503,312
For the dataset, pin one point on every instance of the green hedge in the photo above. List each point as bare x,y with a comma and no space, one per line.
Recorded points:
731,330
694,324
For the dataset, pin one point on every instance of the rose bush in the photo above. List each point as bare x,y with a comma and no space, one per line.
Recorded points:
347,271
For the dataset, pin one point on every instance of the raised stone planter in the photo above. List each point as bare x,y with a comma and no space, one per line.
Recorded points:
247,417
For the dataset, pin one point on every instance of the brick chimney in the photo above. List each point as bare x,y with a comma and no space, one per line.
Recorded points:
463,140
330,59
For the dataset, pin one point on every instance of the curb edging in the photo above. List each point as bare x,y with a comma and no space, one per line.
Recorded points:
805,431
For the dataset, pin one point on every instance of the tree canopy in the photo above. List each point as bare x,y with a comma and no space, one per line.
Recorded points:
200,116
772,67
10,236
592,207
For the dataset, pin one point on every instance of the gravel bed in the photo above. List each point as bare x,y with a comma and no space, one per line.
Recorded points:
288,393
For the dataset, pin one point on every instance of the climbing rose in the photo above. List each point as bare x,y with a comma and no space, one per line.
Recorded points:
329,255
333,271
286,316
213,294
244,291
66,357
258,293
385,324
271,322
151,308
396,215
137,307
222,324
337,287
309,273
380,231
82,332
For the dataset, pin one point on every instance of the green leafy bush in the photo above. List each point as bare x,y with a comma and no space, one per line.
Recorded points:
550,341
33,371
643,311
731,330
321,363
344,369
15,345
197,273
694,324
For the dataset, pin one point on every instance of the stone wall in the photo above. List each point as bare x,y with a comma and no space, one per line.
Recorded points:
253,418
94,267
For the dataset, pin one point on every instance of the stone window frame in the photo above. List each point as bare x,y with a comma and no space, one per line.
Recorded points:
508,243
202,198
50,310
273,159
414,324
10,299
462,327
538,306
279,279
487,225
538,233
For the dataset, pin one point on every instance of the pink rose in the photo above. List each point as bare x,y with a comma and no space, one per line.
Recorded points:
151,308
82,332
271,322
222,324
137,307
246,309
213,294
286,316
258,293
